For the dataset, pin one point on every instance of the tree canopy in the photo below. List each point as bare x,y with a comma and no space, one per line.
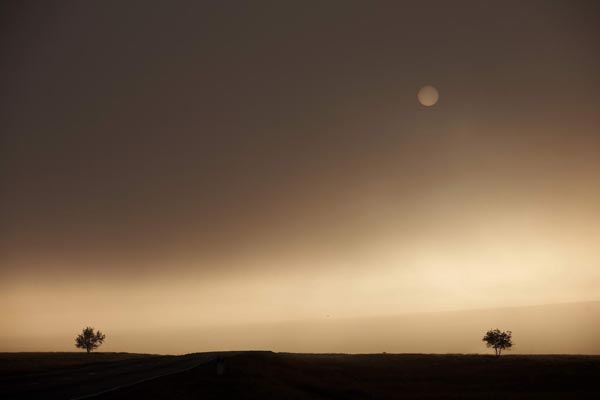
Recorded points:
498,340
89,340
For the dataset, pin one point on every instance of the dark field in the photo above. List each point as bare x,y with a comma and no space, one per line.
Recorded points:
13,363
73,375
266,375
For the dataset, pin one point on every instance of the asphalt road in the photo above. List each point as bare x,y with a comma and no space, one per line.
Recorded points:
91,380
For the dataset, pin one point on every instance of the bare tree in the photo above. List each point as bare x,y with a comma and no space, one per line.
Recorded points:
89,340
498,340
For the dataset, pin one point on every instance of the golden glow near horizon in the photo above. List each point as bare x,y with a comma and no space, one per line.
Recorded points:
506,263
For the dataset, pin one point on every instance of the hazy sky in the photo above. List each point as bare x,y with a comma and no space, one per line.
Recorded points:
170,164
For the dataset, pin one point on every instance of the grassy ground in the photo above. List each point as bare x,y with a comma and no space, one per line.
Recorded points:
19,363
267,375
380,376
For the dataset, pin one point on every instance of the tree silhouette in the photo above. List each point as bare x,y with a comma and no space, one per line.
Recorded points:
89,340
498,340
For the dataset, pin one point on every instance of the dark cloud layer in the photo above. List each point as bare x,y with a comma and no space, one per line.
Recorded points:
137,130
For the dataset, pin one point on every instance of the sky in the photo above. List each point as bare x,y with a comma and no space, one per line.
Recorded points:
166,165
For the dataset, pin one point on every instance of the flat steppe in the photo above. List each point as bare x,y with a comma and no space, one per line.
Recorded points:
268,375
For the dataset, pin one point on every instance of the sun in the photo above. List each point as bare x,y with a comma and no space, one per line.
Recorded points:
428,95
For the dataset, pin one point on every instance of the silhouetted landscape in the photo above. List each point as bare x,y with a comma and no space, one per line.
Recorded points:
268,375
